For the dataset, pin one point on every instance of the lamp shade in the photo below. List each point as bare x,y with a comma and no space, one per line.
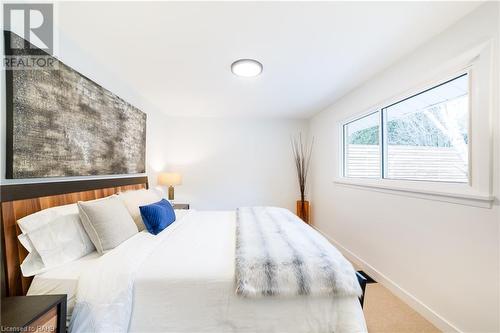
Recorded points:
169,179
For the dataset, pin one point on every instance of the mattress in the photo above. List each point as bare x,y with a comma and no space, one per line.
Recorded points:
187,285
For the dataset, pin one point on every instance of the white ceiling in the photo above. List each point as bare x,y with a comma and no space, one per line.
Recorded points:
177,55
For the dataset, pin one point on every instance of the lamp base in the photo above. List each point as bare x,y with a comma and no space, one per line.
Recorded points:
171,193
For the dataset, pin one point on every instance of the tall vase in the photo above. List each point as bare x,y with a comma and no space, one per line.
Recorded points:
303,210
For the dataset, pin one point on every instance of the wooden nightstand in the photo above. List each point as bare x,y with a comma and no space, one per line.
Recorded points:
180,206
45,313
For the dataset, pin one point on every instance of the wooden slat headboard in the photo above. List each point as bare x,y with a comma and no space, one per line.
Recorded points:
20,200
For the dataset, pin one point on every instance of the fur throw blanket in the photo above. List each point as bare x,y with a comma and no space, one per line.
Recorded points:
279,255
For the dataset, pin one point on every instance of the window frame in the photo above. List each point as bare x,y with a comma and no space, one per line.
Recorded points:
477,64
382,116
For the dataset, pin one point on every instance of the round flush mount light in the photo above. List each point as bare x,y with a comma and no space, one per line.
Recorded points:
246,67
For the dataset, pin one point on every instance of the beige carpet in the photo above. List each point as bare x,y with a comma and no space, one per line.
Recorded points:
386,313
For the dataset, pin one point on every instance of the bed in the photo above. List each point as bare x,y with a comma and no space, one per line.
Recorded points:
187,284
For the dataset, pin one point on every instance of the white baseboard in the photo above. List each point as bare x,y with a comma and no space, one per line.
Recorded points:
405,296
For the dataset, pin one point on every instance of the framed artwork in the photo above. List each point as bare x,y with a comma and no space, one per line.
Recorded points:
60,123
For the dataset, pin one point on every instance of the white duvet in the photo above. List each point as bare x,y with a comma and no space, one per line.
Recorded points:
182,280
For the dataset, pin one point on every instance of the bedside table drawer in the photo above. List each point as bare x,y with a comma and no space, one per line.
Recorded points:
46,323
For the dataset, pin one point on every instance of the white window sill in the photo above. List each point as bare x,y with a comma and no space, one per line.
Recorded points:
448,192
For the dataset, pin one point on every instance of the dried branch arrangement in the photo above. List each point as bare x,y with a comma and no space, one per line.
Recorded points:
302,156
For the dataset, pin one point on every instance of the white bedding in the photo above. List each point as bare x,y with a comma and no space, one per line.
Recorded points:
186,284
62,280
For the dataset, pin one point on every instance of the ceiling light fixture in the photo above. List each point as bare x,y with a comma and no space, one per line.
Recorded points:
246,67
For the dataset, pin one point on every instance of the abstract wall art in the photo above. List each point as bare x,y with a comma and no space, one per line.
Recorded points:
60,123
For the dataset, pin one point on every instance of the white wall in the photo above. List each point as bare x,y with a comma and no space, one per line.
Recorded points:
226,163
442,258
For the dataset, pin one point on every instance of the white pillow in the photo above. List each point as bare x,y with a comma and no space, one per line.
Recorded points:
61,241
180,213
107,222
43,217
53,237
32,265
25,241
136,198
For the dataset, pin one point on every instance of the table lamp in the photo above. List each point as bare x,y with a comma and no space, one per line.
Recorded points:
169,179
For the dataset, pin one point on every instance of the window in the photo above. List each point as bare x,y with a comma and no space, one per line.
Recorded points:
362,147
424,137
427,134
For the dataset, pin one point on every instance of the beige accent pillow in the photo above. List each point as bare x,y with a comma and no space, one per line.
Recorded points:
136,198
107,222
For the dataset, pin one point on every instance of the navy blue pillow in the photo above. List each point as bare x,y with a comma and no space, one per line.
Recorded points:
157,216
